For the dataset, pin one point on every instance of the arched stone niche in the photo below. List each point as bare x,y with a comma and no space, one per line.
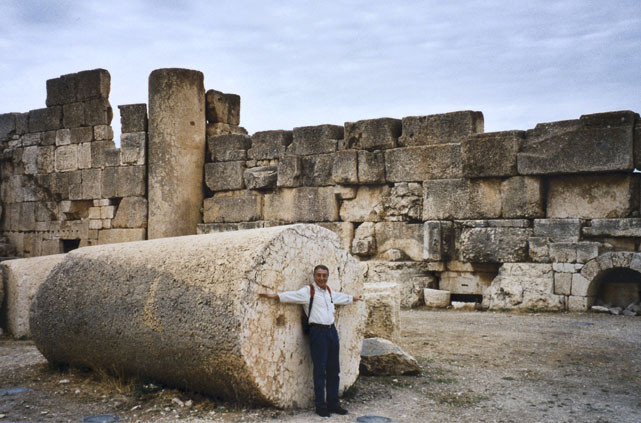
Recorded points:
615,277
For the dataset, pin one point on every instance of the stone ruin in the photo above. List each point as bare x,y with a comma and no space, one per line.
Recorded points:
543,219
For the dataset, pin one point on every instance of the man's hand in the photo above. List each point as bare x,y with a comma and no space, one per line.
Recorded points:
357,298
270,296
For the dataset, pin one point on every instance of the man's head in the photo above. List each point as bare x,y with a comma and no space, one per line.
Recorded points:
321,274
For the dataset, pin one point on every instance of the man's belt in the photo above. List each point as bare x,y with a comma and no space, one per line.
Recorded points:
322,326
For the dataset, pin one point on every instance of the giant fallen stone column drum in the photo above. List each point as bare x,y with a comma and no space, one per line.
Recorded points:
176,151
185,311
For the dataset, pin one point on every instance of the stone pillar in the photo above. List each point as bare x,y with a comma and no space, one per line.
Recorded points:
185,311
176,154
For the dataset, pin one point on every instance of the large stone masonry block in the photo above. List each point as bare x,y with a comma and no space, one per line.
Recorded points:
222,108
62,90
371,167
115,236
491,154
438,240
614,228
22,278
66,158
22,123
383,310
92,84
133,148
215,129
224,176
7,126
443,128
102,132
123,181
405,202
233,206
263,177
290,171
91,183
494,245
474,283
364,242
445,199
269,145
46,119
197,298
411,277
232,147
399,240
593,196
558,230
522,197
131,213
367,206
73,115
344,230
345,167
416,164
133,117
30,159
315,139
527,286
593,143
98,112
83,134
176,151
372,134
304,204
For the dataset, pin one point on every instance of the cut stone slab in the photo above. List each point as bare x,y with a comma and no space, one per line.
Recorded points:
381,357
383,310
132,213
225,176
233,206
22,278
222,108
367,206
436,298
558,230
446,199
614,228
494,245
371,167
304,204
315,139
269,145
261,177
224,148
133,117
402,236
593,196
593,143
443,128
466,282
522,197
196,297
491,154
416,164
411,276
372,134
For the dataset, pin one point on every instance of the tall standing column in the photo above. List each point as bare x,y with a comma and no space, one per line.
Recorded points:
176,155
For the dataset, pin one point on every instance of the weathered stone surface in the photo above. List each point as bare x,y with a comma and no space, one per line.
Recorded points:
294,171
73,115
344,230
614,228
412,277
47,119
305,204
461,199
123,181
62,90
233,206
225,176
491,154
381,357
222,108
91,183
594,143
83,134
133,148
372,134
522,196
527,286
261,177
345,167
290,171
103,132
562,283
443,128
593,196
576,303
210,228
416,164
7,125
224,148
315,139
99,152
268,145
131,213
368,206
383,310
66,158
22,123
405,237
63,137
405,202
176,151
364,242
436,298
22,278
197,297
215,129
98,112
494,245
29,160
438,240
95,83
133,117
558,230
114,236
371,167
466,282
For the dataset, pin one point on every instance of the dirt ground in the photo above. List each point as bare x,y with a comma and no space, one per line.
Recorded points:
478,367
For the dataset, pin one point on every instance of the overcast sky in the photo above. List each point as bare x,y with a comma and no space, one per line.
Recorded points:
297,63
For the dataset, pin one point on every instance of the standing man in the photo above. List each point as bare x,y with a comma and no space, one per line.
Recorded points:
323,338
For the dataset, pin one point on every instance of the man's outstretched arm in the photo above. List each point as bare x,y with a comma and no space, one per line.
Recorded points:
270,296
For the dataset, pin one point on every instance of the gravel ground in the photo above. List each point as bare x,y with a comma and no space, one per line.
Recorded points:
478,367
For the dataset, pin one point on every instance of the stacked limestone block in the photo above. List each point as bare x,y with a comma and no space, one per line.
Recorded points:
62,176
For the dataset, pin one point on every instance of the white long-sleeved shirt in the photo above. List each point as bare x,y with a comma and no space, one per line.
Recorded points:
322,308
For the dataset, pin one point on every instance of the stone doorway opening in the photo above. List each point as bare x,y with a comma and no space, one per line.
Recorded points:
618,287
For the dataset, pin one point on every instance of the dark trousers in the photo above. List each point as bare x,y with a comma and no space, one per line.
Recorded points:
323,342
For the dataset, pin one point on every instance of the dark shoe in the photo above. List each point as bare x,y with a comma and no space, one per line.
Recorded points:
338,410
323,412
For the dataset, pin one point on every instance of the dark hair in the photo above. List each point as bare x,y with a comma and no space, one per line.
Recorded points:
320,267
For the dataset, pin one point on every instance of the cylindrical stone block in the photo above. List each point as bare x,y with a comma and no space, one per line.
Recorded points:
185,311
176,155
